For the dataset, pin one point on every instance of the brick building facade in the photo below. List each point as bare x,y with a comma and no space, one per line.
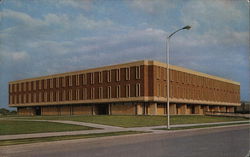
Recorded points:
136,88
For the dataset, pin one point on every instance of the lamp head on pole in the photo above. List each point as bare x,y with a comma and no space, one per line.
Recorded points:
187,27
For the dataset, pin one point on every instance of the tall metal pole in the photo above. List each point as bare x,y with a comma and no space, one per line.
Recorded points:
168,81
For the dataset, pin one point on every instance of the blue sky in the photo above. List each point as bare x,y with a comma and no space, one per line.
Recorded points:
41,37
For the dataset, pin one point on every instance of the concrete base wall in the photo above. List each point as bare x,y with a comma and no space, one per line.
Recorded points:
190,109
26,111
50,111
82,110
123,109
230,109
172,109
152,109
140,108
223,109
65,110
197,109
182,109
161,109
206,109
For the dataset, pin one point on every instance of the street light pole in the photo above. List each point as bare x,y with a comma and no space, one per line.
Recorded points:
167,58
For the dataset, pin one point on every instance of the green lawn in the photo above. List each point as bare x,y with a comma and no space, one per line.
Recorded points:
140,121
10,127
67,137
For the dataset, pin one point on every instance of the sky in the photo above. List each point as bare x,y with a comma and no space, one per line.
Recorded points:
42,37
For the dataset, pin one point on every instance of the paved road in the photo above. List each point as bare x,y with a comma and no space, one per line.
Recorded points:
219,142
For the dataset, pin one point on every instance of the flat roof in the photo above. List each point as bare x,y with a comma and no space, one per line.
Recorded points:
129,64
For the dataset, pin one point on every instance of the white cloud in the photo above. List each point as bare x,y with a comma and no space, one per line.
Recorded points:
152,6
15,56
213,15
19,17
82,4
19,56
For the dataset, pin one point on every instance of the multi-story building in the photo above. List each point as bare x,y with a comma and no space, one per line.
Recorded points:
136,88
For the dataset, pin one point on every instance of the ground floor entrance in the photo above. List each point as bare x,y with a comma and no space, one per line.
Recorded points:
102,109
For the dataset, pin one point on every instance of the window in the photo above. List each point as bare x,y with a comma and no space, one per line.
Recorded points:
158,72
57,82
188,78
138,90
118,91
24,98
165,72
20,98
84,93
64,95
64,82
127,73
109,76
159,90
118,76
128,90
45,84
182,77
77,94
29,98
77,80
100,77
40,97
177,76
34,97
109,92
19,87
24,86
70,94
57,95
165,90
50,83
34,85
29,86
45,97
92,78
15,87
40,84
137,72
15,99
70,80
100,92
92,93
51,96
84,79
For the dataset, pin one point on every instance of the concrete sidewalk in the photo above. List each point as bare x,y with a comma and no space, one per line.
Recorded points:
152,128
102,129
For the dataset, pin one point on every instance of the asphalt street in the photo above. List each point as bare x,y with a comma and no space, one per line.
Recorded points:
219,142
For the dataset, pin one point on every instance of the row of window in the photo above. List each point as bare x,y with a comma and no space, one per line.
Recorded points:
68,80
67,95
186,78
199,94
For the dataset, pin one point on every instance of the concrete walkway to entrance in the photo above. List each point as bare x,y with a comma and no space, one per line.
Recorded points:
93,125
101,129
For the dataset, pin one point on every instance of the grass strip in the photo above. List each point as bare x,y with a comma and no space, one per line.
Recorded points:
140,121
67,137
200,126
12,127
